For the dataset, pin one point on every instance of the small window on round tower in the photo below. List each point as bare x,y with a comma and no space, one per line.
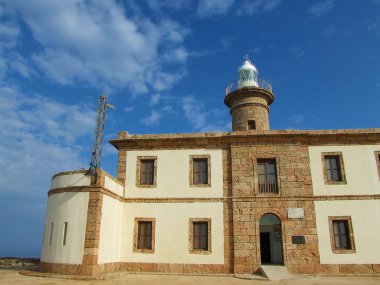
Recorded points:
251,125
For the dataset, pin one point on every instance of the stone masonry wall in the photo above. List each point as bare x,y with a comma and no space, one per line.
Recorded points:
257,113
294,183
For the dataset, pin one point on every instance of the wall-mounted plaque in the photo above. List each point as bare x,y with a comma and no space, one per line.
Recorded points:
298,239
296,213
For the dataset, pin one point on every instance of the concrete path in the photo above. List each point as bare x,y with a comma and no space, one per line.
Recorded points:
276,272
12,277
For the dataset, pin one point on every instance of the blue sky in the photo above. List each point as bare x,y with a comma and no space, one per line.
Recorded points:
164,64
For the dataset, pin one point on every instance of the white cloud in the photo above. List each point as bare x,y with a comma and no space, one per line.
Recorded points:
257,6
202,119
40,137
257,50
167,108
154,99
20,65
157,6
297,51
331,31
10,60
207,8
128,109
297,119
321,8
99,44
152,119
374,26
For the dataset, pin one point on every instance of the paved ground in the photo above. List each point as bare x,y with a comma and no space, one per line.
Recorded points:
14,278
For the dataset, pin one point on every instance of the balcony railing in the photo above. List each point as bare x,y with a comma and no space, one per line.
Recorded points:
268,185
243,83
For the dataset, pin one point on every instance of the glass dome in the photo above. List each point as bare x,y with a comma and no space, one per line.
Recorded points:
247,75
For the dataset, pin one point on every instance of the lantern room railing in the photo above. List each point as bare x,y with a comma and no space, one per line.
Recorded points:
242,83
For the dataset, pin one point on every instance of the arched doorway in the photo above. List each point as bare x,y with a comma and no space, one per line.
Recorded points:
271,240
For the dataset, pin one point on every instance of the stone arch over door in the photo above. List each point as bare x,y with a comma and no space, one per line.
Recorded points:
271,244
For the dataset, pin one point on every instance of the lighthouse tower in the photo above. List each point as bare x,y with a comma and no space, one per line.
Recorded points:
249,99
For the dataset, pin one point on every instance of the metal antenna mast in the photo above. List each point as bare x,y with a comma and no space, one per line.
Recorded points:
99,133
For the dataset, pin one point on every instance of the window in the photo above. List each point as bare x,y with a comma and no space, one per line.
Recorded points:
251,125
44,237
333,168
200,170
143,239
200,233
65,224
144,235
51,233
377,157
146,171
267,176
200,236
341,235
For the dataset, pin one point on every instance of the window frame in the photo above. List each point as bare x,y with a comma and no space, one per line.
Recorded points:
136,248
64,233
377,158
192,158
347,219
251,123
193,250
51,233
339,155
266,159
140,160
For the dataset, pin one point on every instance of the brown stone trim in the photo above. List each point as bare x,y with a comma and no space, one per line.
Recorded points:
92,237
212,200
336,269
220,140
191,236
61,268
228,211
69,173
122,165
136,232
175,268
248,92
212,269
138,171
191,170
248,104
377,158
351,234
342,172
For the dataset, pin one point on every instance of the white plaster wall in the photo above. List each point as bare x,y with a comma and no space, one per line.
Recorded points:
173,174
110,230
365,216
71,208
359,166
113,186
172,232
68,180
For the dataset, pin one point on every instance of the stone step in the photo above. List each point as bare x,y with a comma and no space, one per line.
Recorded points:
276,272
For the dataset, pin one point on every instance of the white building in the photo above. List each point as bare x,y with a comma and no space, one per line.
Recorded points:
223,202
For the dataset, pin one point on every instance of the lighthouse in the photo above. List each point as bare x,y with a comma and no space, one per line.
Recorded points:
249,99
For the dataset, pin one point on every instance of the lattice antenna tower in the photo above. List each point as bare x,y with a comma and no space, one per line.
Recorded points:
98,135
